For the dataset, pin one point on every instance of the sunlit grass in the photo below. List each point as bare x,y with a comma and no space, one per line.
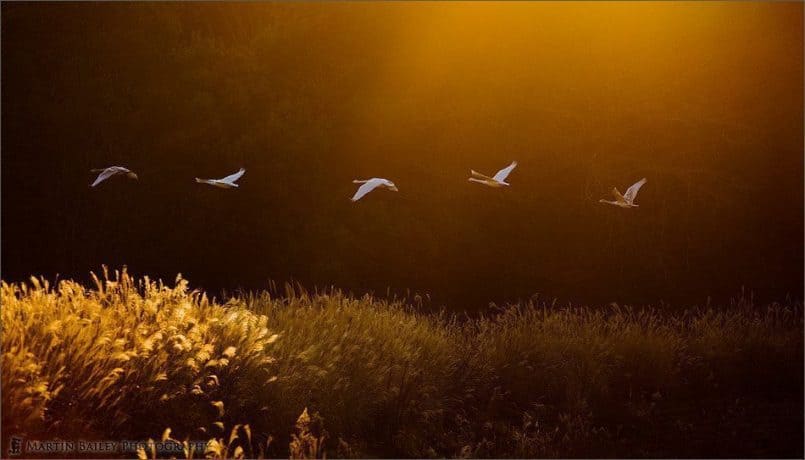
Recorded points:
129,359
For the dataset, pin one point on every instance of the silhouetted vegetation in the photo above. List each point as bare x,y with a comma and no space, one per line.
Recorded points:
703,99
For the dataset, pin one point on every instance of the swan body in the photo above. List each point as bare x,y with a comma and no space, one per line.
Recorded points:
625,200
498,180
371,184
226,182
106,173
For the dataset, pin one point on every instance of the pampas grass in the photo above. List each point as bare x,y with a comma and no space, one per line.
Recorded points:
136,358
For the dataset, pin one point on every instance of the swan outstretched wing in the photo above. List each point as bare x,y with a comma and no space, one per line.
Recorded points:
105,174
503,173
631,192
364,189
233,177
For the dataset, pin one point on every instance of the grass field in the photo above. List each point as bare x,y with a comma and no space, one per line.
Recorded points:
304,375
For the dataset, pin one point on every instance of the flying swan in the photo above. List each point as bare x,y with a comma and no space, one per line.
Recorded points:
497,181
226,182
371,184
106,173
627,199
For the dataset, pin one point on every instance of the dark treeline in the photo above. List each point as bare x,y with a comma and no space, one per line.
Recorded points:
703,100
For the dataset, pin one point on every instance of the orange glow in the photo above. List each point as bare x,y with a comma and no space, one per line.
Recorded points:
704,99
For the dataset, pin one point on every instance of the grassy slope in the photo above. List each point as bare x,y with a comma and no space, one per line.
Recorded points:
131,358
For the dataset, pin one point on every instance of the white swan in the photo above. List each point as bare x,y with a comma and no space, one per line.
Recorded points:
371,184
226,182
627,199
497,181
106,173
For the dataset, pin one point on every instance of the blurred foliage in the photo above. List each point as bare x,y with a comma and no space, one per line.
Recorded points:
308,96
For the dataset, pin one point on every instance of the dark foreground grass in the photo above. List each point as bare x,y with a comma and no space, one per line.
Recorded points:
129,359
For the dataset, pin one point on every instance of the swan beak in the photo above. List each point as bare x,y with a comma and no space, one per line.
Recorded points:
393,188
133,176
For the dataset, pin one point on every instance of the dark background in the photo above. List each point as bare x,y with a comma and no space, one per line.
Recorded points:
705,100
